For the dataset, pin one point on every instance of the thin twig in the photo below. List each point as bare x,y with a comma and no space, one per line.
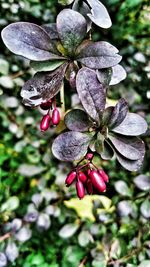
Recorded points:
6,236
62,98
83,262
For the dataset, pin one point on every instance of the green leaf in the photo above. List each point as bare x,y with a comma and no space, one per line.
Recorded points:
46,65
68,230
84,208
122,188
145,263
84,238
4,66
145,209
11,204
65,2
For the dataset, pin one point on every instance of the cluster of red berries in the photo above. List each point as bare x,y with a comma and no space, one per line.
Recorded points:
93,179
49,119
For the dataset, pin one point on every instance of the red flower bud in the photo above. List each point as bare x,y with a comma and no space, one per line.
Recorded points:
89,187
89,156
80,189
82,177
97,181
45,122
103,175
55,117
70,178
46,105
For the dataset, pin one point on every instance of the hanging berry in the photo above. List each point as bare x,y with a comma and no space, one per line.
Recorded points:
70,178
55,116
45,123
80,189
88,177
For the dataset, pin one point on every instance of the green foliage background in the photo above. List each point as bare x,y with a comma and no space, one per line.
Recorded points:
99,234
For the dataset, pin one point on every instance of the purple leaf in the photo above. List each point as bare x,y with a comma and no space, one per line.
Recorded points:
104,76
132,125
107,152
129,147
29,40
51,30
132,165
71,27
77,120
107,115
99,55
46,65
119,113
71,146
83,9
43,86
99,14
118,74
91,92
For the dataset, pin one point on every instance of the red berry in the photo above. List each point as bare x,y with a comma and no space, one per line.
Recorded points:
80,189
89,187
97,181
45,122
82,177
46,105
89,156
88,172
70,178
55,117
104,175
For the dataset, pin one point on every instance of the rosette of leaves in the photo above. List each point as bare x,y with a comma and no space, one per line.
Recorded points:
107,131
56,51
93,10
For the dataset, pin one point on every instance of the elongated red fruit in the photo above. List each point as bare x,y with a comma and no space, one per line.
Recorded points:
55,117
45,122
46,105
82,177
88,172
70,178
104,175
97,181
89,187
80,189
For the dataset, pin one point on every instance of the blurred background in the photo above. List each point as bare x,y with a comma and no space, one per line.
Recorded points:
42,223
